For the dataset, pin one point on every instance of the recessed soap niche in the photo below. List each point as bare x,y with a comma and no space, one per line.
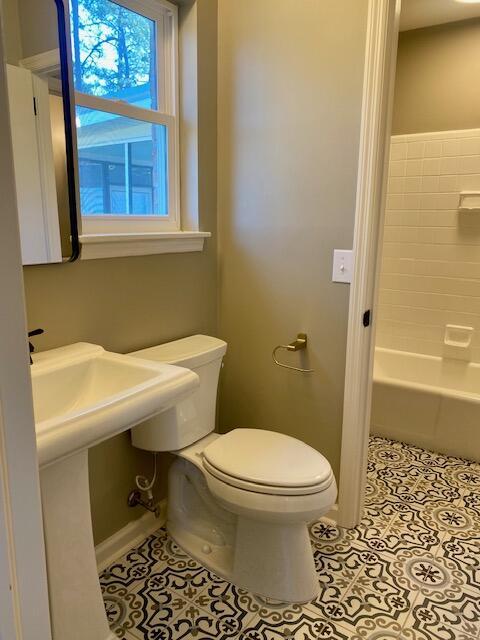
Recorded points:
469,202
458,342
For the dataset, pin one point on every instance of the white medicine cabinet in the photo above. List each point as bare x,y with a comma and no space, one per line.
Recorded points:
31,128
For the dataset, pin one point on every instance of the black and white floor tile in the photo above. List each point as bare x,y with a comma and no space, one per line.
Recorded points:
409,571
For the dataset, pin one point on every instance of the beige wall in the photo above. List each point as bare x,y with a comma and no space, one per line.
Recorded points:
437,86
128,303
38,22
289,115
11,26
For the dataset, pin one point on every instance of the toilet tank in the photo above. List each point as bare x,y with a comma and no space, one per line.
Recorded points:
193,418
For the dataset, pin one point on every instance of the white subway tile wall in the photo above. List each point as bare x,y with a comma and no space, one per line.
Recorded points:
430,273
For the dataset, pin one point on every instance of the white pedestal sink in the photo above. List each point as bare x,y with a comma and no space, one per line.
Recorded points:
82,396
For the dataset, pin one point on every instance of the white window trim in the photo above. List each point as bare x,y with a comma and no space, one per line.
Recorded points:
110,236
111,245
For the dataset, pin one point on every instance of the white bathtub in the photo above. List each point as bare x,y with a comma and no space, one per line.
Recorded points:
427,401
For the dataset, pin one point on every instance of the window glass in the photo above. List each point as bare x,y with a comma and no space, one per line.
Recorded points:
114,52
122,164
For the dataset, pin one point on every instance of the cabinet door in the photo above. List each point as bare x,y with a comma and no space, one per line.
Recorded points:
34,167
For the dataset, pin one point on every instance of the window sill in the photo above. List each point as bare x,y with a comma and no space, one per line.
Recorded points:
116,245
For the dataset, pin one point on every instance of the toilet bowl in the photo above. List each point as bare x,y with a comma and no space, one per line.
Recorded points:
239,503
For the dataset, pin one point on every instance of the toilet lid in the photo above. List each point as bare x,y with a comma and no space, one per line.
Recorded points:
268,458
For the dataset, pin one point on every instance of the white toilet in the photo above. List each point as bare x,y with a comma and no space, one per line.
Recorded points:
239,503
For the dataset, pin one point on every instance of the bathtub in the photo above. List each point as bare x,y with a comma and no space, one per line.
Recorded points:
427,401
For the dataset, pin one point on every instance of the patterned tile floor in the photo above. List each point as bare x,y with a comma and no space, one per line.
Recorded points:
410,571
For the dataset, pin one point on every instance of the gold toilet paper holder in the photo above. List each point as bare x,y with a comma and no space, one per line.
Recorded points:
297,345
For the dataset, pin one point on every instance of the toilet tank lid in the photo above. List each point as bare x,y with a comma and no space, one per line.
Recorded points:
188,352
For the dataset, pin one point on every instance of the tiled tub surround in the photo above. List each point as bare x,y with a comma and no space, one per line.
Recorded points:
431,253
410,571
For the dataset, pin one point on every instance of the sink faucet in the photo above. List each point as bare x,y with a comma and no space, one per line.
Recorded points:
35,332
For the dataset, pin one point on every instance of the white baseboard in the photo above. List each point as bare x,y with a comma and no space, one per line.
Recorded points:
129,536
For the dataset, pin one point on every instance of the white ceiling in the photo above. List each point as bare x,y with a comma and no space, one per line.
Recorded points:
425,13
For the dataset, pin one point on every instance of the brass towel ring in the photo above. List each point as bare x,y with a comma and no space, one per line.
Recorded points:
297,345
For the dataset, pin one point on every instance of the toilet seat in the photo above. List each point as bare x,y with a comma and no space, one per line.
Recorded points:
264,488
286,466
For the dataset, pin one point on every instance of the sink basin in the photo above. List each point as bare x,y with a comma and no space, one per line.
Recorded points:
83,394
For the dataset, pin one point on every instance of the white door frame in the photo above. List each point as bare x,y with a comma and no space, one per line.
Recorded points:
379,77
24,613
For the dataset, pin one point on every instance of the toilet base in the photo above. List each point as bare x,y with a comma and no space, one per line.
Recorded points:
196,522
275,561
270,559
214,557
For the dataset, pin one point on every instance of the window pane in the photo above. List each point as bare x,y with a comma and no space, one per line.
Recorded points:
113,52
123,164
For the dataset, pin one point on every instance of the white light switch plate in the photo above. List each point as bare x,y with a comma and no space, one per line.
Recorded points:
342,265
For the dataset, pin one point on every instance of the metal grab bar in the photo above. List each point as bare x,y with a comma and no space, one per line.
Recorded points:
297,345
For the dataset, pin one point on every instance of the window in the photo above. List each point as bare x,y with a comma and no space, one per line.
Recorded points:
125,77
